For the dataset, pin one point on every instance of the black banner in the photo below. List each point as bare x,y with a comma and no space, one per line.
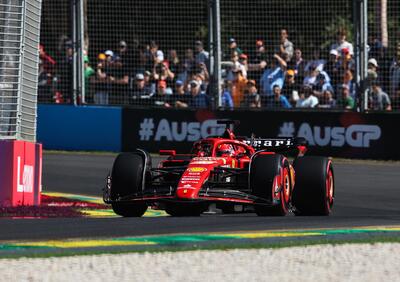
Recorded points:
336,134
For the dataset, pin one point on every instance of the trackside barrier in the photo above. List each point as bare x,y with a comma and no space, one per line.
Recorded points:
65,127
336,134
20,173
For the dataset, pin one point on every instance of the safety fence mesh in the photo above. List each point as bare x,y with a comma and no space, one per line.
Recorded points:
383,55
275,54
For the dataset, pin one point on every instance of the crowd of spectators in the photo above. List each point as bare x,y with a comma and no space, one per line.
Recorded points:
269,76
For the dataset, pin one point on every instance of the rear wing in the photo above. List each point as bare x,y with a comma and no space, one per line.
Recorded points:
277,144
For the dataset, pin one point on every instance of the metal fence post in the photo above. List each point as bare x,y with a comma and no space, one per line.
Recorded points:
217,50
77,40
360,15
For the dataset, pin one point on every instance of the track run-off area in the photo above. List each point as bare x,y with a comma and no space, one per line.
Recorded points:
366,205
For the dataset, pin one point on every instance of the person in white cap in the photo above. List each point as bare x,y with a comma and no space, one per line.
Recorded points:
373,64
332,67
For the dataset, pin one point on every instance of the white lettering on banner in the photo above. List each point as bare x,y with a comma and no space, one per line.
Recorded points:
178,131
27,177
356,135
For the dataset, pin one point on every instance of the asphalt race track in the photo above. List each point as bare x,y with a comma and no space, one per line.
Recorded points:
367,193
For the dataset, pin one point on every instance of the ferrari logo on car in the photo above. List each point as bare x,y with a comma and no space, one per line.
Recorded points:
197,169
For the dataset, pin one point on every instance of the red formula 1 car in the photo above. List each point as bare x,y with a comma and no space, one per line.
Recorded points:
235,173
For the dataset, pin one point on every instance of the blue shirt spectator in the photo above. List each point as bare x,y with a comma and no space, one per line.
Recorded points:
226,98
199,99
275,75
279,100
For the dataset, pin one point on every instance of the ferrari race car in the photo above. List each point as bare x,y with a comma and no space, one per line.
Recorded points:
235,173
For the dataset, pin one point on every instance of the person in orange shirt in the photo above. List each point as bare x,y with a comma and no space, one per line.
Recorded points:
239,86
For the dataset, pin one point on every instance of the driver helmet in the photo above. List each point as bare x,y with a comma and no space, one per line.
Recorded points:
225,150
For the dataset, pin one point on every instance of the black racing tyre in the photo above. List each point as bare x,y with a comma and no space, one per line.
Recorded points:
263,170
126,177
184,209
129,209
314,188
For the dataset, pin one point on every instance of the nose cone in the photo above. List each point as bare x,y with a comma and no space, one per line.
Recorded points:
192,180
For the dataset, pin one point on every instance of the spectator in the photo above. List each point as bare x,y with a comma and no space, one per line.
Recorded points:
395,72
102,86
188,65
199,99
345,101
161,99
202,56
322,85
173,60
307,98
348,80
274,75
156,53
181,97
46,75
161,71
243,64
149,83
226,95
316,62
239,86
332,67
251,97
140,91
278,100
89,74
346,60
291,88
64,72
47,61
285,46
119,79
341,42
327,101
233,47
311,78
126,57
379,100
258,62
298,64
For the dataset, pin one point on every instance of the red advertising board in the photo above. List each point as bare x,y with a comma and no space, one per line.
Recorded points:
20,173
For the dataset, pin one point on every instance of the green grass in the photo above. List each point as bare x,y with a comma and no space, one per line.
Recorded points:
216,247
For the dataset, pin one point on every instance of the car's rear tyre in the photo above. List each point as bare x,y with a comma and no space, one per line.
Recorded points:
314,189
184,209
126,177
269,174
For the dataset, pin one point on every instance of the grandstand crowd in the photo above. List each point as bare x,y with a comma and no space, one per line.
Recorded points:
268,76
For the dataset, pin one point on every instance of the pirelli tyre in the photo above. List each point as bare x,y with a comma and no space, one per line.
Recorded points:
270,180
185,209
126,179
314,189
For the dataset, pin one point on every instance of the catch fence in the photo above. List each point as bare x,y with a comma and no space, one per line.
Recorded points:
224,54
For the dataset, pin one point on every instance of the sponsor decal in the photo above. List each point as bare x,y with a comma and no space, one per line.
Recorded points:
203,162
27,177
356,135
179,131
197,169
